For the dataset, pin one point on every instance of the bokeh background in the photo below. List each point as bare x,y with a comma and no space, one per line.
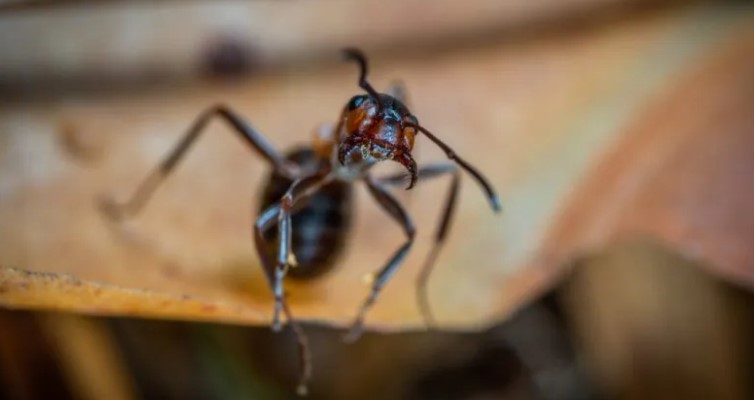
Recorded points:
619,134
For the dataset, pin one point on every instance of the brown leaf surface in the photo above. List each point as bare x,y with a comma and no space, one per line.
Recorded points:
681,174
587,136
55,291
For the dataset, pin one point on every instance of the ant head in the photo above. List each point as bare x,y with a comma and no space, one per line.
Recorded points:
376,126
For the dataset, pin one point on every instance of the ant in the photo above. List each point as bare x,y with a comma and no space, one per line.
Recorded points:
305,210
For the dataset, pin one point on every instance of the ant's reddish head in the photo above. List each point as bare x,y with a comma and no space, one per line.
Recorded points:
376,127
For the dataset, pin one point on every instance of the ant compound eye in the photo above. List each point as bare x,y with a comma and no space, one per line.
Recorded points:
355,102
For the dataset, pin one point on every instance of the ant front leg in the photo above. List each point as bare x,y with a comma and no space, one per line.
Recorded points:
396,211
305,365
426,173
280,213
252,138
275,271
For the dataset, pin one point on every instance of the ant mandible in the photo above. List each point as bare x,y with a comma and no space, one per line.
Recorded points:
310,187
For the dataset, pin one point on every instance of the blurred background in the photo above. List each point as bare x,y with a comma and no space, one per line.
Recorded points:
619,134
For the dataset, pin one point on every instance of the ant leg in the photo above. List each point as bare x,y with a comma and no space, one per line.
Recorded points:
244,130
396,211
430,172
281,212
302,341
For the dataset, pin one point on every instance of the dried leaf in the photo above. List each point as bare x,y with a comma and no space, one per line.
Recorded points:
52,291
681,174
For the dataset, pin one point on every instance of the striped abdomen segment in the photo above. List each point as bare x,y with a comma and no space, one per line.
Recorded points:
320,227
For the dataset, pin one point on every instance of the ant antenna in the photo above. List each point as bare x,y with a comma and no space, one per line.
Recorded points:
356,55
491,195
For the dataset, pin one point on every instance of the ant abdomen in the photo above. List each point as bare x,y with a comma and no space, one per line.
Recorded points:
320,227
